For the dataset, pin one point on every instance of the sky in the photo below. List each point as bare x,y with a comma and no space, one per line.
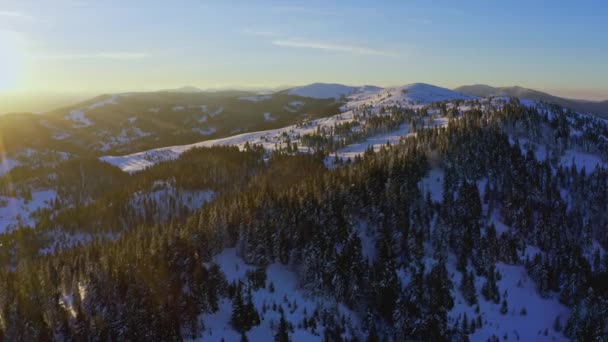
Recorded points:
74,46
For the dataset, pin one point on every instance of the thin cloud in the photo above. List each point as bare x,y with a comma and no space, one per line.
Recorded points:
329,46
260,33
20,16
303,10
100,55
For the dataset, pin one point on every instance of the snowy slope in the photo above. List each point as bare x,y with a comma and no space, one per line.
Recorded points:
296,304
16,211
7,164
413,95
330,90
517,324
407,95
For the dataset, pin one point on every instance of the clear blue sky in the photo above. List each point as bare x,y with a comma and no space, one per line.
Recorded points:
105,46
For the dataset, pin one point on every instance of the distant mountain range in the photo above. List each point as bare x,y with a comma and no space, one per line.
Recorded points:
482,90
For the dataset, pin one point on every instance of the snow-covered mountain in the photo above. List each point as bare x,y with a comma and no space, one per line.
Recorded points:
330,90
471,258
408,96
584,106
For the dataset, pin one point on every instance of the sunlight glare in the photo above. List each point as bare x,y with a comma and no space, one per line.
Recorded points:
10,63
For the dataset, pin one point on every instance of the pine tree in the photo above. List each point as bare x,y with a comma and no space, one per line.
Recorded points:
238,318
282,334
504,307
489,288
557,325
467,288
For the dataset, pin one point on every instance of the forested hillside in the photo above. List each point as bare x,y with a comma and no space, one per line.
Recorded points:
491,226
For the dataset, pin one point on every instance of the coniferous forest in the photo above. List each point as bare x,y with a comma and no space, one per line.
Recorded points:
414,241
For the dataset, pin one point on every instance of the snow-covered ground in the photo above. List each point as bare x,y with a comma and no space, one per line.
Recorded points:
295,302
113,99
375,142
258,98
581,159
540,313
567,159
271,139
433,183
79,118
405,96
16,211
205,131
7,164
217,112
269,117
167,198
127,135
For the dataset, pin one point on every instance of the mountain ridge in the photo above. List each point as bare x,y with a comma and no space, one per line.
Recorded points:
586,106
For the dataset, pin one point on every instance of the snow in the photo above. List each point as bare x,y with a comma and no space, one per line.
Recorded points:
203,108
79,118
571,156
127,135
7,164
285,282
326,91
217,112
233,267
294,106
268,117
258,98
61,136
407,95
113,99
154,110
581,159
433,183
271,139
521,293
367,234
375,142
133,119
205,131
141,160
165,195
15,211
494,218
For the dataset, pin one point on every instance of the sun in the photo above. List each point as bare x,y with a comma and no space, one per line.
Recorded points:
10,65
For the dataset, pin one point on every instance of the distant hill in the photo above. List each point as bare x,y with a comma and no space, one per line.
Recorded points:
592,107
184,89
329,90
129,122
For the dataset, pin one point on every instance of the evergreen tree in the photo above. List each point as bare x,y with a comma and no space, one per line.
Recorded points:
282,334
